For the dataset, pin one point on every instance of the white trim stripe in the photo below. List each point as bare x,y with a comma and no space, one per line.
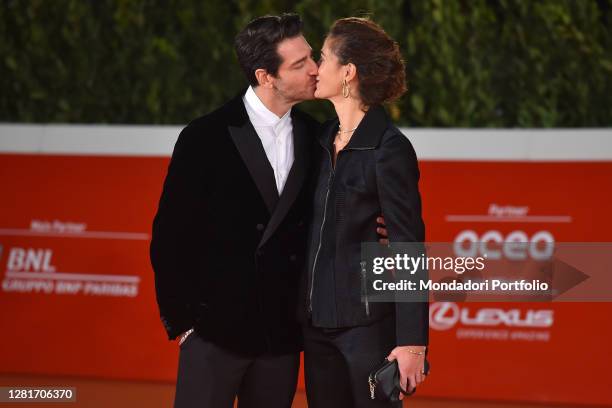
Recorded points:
96,140
512,144
430,144
496,218
73,276
15,232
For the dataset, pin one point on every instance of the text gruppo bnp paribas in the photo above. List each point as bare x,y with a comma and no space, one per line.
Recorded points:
30,270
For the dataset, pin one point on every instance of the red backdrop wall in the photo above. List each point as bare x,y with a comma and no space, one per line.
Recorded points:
77,288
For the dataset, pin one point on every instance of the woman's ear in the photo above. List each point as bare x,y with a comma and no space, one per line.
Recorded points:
351,72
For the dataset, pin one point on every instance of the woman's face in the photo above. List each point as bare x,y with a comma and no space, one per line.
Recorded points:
331,73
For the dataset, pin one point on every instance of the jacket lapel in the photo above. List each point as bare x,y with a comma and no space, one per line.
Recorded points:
253,154
295,179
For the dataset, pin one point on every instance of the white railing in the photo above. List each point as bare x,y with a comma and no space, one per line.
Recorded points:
430,144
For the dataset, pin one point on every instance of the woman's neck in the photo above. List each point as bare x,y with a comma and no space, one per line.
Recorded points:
349,114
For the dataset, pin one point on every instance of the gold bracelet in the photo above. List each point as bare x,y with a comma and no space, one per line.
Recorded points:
184,336
418,353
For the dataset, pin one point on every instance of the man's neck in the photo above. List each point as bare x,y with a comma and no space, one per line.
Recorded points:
273,101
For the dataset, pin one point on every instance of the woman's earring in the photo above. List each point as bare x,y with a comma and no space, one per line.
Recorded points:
346,91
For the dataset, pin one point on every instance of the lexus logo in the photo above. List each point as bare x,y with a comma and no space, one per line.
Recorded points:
443,315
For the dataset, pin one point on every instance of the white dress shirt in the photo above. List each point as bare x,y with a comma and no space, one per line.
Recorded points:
276,136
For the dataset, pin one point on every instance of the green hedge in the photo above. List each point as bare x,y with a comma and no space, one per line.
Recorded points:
471,63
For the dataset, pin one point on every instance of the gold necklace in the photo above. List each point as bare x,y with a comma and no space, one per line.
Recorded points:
339,134
345,131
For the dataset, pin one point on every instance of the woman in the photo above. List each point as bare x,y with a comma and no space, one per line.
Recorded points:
367,167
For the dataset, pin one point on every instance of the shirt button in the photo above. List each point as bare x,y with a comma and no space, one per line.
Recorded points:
259,227
292,258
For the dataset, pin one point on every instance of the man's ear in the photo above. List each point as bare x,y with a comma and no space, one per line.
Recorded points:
351,72
264,79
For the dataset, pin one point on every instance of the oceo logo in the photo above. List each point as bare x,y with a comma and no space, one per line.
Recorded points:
445,315
516,246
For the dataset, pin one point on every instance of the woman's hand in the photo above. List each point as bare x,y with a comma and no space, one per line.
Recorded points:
411,366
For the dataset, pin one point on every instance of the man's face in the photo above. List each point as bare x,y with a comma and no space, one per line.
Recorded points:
296,78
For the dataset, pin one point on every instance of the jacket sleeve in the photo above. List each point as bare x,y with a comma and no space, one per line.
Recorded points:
173,235
397,176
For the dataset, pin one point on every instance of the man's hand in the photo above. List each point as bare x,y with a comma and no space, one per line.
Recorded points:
410,366
382,231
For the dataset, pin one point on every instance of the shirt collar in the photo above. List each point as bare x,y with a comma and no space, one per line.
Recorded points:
262,116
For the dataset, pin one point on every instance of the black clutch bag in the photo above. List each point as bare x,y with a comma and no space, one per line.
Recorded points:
384,382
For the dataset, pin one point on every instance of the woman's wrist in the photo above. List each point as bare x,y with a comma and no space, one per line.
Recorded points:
418,350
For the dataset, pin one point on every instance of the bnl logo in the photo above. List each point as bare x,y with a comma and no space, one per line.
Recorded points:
29,259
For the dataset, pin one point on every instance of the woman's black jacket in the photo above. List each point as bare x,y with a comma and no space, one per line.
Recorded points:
376,173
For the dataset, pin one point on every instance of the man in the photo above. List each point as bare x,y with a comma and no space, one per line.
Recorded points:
229,236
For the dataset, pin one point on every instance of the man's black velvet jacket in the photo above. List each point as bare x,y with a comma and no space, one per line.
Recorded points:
227,251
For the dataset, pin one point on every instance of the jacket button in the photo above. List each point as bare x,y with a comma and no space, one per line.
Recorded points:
292,257
259,227
300,223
